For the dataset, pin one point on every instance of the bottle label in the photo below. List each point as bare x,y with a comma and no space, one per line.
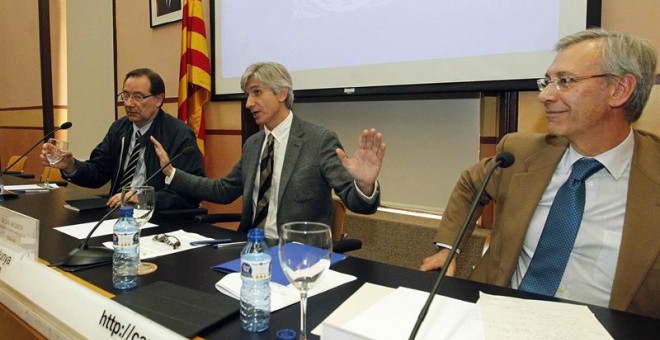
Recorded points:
256,270
125,239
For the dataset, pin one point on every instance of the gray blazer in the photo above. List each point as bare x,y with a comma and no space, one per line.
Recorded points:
311,170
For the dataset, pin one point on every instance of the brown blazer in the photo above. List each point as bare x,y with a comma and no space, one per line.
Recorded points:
517,191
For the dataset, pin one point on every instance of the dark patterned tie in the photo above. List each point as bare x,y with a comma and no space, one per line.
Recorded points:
554,248
265,180
129,173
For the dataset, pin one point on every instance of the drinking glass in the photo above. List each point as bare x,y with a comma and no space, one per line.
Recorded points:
55,155
304,251
143,201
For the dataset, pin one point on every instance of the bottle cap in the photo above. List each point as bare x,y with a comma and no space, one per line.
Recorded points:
286,334
256,234
126,211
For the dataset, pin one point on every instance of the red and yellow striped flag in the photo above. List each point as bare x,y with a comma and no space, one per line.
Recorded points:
194,70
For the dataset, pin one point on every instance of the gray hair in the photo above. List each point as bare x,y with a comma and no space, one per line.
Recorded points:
272,74
622,54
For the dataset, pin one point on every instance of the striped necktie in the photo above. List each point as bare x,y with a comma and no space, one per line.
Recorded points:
561,227
129,172
265,180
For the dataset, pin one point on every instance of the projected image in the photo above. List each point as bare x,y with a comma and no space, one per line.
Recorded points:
352,43
317,8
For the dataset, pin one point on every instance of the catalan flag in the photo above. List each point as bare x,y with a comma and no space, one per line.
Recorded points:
194,70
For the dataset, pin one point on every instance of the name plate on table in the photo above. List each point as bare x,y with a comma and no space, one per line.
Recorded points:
20,232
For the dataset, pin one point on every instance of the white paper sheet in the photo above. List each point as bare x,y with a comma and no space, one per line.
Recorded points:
282,296
149,248
30,187
81,230
366,296
394,316
512,318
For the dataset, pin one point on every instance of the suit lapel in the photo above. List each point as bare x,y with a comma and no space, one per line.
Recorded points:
527,187
639,247
293,148
251,165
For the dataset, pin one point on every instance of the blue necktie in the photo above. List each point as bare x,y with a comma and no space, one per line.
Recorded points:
554,248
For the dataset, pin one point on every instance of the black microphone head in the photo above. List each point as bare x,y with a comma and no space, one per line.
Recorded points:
188,150
505,159
66,125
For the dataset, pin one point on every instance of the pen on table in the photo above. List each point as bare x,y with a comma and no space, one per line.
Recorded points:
230,244
212,242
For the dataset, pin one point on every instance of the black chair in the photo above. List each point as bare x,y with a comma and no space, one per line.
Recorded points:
341,242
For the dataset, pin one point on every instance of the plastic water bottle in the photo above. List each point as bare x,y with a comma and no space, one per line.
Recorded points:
126,240
255,290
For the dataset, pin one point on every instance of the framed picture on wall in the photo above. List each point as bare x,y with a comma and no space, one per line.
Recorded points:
165,11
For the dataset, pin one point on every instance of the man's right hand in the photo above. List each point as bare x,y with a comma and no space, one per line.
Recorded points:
436,261
67,163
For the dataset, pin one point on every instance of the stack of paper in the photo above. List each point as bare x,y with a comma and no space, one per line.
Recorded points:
377,312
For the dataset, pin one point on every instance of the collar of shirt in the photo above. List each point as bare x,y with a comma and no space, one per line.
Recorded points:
615,160
281,131
143,130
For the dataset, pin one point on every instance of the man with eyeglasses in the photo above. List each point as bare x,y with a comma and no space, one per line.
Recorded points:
577,215
125,156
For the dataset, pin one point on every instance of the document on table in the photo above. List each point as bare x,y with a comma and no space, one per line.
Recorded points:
512,318
377,312
81,230
281,295
150,248
29,188
394,315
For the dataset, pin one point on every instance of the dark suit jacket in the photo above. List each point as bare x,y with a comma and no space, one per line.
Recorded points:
311,169
107,160
517,191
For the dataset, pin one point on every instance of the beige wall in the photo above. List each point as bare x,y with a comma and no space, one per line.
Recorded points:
21,117
139,45
639,17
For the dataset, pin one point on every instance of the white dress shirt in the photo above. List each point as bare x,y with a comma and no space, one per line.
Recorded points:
591,266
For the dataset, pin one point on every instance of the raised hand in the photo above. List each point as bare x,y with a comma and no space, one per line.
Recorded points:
163,158
367,160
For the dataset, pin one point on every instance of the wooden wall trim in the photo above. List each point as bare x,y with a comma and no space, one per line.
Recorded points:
25,108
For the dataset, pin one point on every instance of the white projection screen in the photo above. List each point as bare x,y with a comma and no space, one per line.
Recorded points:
351,45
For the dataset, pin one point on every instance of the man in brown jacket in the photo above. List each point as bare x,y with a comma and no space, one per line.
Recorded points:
596,87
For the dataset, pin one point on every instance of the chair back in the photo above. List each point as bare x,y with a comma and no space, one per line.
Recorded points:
55,175
18,167
339,216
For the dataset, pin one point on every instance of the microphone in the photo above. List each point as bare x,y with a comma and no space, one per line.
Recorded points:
502,160
87,256
64,126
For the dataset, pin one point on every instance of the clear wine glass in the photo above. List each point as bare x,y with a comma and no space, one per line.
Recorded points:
54,156
143,201
304,251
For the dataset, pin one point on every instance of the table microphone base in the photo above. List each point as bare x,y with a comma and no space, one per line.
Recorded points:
85,258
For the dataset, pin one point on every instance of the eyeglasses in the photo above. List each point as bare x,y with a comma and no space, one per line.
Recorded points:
168,239
565,83
137,97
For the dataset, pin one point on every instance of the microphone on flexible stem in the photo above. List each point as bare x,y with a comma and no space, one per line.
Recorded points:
87,256
503,160
64,126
